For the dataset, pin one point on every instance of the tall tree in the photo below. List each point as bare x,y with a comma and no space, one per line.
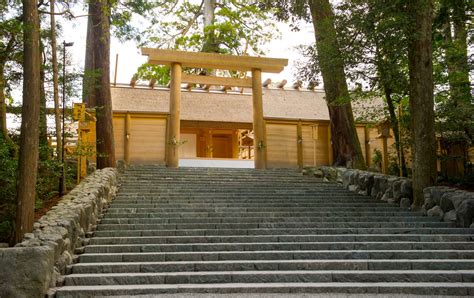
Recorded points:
371,34
28,159
346,145
421,96
88,94
10,60
229,27
100,14
451,40
57,112
210,44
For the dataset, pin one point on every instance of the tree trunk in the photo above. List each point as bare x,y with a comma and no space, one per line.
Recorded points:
54,61
457,61
346,145
43,125
28,160
3,109
463,90
420,65
88,94
394,123
104,129
210,44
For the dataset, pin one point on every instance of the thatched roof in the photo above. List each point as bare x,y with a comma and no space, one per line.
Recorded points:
198,105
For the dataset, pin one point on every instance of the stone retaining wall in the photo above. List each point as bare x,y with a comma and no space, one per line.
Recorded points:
33,266
447,203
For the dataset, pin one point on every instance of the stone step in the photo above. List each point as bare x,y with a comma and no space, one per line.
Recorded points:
217,220
282,238
274,255
262,276
245,212
136,248
242,207
262,214
225,193
157,208
297,225
283,231
222,198
382,288
239,265
241,201
197,230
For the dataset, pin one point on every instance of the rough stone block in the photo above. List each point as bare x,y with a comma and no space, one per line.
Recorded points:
465,213
429,201
450,216
397,189
445,203
405,203
406,188
436,211
26,271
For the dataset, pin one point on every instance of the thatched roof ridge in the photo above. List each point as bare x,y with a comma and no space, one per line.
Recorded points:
228,106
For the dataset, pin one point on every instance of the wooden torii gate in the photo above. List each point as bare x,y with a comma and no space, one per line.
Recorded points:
179,59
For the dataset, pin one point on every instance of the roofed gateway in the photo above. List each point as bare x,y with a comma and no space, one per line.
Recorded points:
224,118
177,60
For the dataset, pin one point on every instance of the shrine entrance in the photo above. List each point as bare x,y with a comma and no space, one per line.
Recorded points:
177,60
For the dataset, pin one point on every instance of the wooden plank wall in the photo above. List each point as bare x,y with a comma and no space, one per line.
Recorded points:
119,137
147,138
281,142
315,144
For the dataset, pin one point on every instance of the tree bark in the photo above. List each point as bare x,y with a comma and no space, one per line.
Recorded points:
43,125
394,123
104,128
210,44
54,61
57,110
28,160
88,94
3,109
346,145
457,62
421,97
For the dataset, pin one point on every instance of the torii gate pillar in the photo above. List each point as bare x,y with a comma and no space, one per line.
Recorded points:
260,147
174,126
178,59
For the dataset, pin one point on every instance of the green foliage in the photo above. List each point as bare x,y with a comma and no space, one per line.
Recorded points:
49,171
238,27
149,71
377,158
8,167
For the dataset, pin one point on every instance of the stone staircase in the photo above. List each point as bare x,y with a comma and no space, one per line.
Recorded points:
193,230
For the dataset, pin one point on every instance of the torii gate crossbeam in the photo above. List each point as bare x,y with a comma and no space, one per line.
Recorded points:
179,59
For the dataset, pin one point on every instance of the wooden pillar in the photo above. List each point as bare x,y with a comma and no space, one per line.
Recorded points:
235,143
330,153
367,146
126,151
299,144
173,138
258,123
384,155
208,138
